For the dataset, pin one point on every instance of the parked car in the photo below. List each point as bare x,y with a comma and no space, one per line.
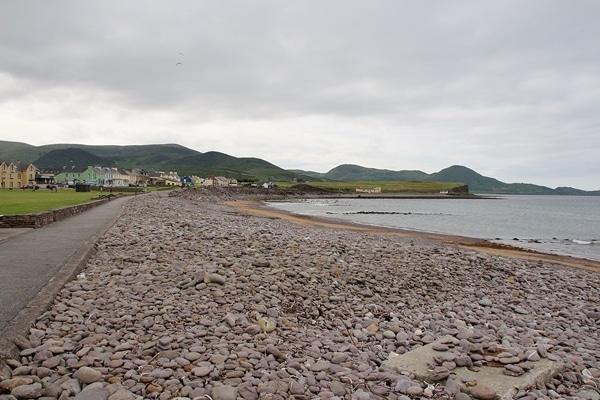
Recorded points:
30,186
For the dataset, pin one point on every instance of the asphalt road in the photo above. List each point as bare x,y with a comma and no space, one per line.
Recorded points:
36,263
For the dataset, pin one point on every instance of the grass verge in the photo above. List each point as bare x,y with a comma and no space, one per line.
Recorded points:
17,201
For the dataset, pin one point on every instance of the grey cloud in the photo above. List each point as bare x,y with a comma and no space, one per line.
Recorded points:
492,77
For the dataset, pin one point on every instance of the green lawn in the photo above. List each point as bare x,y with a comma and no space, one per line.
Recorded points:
27,201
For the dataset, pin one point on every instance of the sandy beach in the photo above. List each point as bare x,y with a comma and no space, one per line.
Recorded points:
258,208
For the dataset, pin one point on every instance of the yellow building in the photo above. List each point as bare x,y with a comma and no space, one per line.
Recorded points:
13,175
368,189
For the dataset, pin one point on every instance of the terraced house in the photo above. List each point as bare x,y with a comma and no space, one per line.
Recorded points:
15,174
100,176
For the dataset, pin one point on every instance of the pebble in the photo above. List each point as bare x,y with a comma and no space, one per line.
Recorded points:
10,384
510,360
225,392
486,302
186,296
88,375
439,373
93,394
389,334
483,392
31,391
513,370
440,347
415,390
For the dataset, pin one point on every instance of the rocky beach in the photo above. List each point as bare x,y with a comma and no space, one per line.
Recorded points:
189,297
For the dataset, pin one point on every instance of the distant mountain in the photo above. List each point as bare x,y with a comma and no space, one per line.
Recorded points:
312,175
174,157
159,157
16,151
576,192
14,147
477,183
482,184
351,172
122,156
63,158
244,168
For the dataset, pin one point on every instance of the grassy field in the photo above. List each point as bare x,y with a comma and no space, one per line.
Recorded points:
27,201
386,186
17,201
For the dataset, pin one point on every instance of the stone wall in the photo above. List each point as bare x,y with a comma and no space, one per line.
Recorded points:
37,220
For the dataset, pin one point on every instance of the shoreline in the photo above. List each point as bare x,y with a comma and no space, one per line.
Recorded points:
187,296
259,209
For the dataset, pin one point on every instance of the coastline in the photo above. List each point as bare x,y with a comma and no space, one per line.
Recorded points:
188,297
259,209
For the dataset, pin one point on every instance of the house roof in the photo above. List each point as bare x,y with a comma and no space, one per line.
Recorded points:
73,170
49,171
18,165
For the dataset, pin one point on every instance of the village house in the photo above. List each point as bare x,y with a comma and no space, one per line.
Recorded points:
113,176
361,189
78,175
221,181
208,181
15,175
160,178
100,176
263,184
12,176
138,177
189,180
46,176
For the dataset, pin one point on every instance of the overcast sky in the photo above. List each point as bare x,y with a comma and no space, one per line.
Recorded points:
510,89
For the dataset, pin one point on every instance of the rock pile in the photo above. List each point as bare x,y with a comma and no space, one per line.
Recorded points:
187,298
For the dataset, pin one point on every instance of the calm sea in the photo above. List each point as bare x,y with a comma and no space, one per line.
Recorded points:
567,225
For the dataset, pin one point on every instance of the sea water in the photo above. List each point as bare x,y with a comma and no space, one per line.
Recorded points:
565,225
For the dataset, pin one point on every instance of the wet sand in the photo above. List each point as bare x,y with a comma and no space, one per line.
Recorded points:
259,209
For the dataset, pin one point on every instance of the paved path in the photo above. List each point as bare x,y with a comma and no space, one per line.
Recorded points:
36,263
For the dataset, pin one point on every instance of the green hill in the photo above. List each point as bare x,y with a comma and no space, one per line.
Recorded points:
174,157
351,172
244,168
133,156
151,156
477,183
13,151
165,157
482,184
62,158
